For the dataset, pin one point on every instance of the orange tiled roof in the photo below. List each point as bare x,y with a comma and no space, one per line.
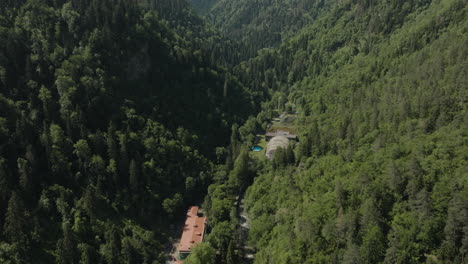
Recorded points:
194,230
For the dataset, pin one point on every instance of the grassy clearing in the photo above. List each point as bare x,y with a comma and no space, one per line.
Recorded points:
261,142
284,123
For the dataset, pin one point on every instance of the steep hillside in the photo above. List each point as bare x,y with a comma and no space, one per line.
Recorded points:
203,7
116,115
381,171
109,117
263,23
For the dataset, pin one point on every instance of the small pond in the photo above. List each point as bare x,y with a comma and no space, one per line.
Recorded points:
257,148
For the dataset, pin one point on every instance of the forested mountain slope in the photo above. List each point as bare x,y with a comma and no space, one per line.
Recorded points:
116,115
261,23
203,7
381,171
197,33
109,116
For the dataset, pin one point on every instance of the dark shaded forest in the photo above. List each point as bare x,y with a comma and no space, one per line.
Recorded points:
109,118
117,115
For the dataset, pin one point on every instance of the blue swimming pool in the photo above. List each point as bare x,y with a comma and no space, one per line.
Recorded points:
257,148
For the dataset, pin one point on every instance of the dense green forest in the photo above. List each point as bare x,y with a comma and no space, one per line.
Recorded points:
110,114
381,170
261,23
117,115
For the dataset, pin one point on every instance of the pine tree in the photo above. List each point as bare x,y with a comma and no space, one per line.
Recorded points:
373,245
113,246
290,158
16,227
4,182
66,247
133,176
124,161
128,252
86,256
89,200
231,257
46,97
25,177
112,151
239,177
83,152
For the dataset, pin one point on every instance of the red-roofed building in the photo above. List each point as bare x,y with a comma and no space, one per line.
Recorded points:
193,233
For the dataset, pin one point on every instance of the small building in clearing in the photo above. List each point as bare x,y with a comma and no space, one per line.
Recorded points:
194,230
274,144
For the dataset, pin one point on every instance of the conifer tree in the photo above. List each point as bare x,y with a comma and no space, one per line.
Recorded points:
16,227
231,257
133,177
66,247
